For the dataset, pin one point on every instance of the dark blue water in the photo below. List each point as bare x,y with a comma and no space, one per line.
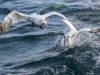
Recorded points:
26,51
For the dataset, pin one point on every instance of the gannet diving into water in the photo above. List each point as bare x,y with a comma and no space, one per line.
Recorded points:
15,17
70,38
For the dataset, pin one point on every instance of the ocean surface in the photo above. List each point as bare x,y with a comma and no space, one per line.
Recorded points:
26,51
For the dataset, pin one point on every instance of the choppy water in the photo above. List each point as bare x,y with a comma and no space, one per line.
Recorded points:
26,51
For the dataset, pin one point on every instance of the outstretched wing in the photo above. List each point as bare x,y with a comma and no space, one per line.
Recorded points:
11,18
16,17
75,37
73,29
94,30
70,25
54,13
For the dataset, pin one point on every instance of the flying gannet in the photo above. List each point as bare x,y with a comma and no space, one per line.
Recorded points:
70,38
15,17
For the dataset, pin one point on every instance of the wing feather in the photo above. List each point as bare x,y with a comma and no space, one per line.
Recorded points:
70,25
11,18
16,17
54,13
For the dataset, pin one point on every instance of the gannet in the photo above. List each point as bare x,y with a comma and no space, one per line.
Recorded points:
70,38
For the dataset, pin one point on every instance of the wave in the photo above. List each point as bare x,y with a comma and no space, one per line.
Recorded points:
2,1
4,11
63,63
77,60
29,37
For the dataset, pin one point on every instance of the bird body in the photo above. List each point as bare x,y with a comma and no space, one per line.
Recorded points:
41,19
38,19
35,18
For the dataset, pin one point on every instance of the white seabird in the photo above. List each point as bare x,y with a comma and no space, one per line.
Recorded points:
70,38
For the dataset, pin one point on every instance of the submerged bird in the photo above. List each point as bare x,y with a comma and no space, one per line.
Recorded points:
70,38
15,17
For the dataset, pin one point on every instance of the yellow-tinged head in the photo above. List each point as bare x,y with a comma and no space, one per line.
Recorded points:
43,22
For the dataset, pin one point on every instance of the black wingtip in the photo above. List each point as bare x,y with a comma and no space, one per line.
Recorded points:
95,30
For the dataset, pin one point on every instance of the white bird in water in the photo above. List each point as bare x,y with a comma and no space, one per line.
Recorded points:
70,38
15,17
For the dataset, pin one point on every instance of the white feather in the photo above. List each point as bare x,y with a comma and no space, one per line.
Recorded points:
37,17
54,13
16,17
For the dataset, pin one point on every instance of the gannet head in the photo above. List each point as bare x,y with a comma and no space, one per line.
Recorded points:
43,23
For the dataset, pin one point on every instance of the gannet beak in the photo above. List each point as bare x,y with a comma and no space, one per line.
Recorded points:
46,25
